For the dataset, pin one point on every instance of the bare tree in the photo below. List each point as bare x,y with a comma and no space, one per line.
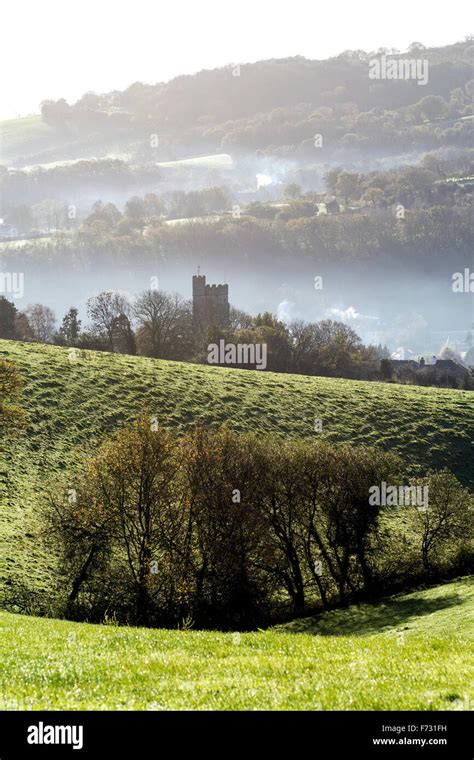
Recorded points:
42,322
104,310
240,320
165,322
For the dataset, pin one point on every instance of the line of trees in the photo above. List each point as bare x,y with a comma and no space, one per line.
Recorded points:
373,235
226,530
160,325
279,104
433,197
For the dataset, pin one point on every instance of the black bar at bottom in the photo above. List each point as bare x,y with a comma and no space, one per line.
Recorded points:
134,734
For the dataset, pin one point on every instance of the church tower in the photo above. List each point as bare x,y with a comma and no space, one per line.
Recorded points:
210,304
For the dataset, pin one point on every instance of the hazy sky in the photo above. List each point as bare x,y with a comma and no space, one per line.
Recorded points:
56,48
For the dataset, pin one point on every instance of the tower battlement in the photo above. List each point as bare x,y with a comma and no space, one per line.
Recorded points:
210,303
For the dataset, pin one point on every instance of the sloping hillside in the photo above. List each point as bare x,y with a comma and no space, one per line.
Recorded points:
70,404
274,102
438,612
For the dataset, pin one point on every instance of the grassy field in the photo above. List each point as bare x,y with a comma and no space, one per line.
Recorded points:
29,136
70,404
26,133
421,659
213,161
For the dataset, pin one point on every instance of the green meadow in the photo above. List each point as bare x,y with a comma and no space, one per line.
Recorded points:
420,659
25,133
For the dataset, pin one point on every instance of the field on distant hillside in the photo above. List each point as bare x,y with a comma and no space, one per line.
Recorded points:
421,660
213,161
25,133
70,404
28,136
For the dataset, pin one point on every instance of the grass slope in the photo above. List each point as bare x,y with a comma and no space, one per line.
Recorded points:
52,664
25,134
438,612
70,403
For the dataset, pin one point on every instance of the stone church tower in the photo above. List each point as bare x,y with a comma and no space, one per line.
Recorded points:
210,304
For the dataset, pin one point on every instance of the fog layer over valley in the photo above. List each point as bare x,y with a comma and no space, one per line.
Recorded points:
383,305
314,190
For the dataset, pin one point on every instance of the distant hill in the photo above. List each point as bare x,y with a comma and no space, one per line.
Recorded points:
275,106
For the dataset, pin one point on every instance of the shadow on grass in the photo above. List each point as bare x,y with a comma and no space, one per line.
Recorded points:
364,619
